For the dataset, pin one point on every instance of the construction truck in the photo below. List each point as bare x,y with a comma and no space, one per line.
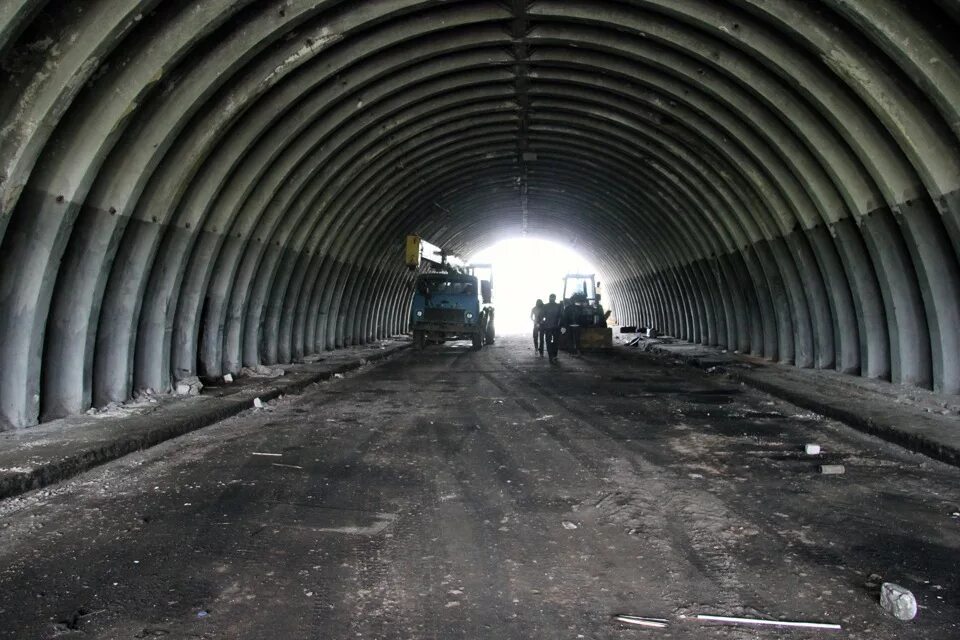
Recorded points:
581,306
450,299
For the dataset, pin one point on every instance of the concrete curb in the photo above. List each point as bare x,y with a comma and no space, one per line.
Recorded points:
914,440
911,430
140,431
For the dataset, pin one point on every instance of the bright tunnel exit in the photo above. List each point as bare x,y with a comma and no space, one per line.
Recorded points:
525,269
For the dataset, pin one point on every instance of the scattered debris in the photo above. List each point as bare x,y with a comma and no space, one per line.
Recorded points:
311,359
16,469
143,401
549,416
262,371
145,395
286,466
189,386
228,377
643,621
897,601
275,455
569,526
811,449
772,623
202,613
257,403
832,469
338,376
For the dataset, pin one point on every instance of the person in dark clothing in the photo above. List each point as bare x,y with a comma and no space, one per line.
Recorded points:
535,315
571,322
550,325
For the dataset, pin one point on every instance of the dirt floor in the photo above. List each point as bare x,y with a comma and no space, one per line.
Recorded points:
454,494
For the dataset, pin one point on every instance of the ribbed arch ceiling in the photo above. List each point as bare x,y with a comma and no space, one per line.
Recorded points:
191,187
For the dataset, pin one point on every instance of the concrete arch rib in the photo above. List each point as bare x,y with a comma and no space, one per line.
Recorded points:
448,106
51,201
908,323
906,319
193,187
286,59
388,78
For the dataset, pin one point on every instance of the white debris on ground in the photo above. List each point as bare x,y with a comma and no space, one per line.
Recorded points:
262,371
142,403
898,601
147,400
147,395
189,386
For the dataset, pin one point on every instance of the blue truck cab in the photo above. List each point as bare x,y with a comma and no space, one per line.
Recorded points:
451,306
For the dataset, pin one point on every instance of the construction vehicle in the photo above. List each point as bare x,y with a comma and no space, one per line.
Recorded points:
581,304
450,300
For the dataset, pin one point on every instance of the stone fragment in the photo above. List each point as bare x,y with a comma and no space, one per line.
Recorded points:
189,386
262,371
897,601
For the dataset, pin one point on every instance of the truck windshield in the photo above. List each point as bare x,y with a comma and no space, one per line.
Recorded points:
430,286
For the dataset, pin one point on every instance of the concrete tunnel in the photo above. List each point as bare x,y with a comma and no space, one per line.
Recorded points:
193,187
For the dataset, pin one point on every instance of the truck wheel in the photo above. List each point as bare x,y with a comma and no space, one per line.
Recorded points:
419,340
477,341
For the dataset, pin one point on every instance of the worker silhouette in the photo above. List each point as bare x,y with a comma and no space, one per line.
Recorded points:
550,325
535,315
571,321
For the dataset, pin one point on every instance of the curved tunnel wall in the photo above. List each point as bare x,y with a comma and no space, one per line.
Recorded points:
191,187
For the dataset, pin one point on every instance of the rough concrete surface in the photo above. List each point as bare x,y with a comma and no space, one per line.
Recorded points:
426,497
36,457
919,419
